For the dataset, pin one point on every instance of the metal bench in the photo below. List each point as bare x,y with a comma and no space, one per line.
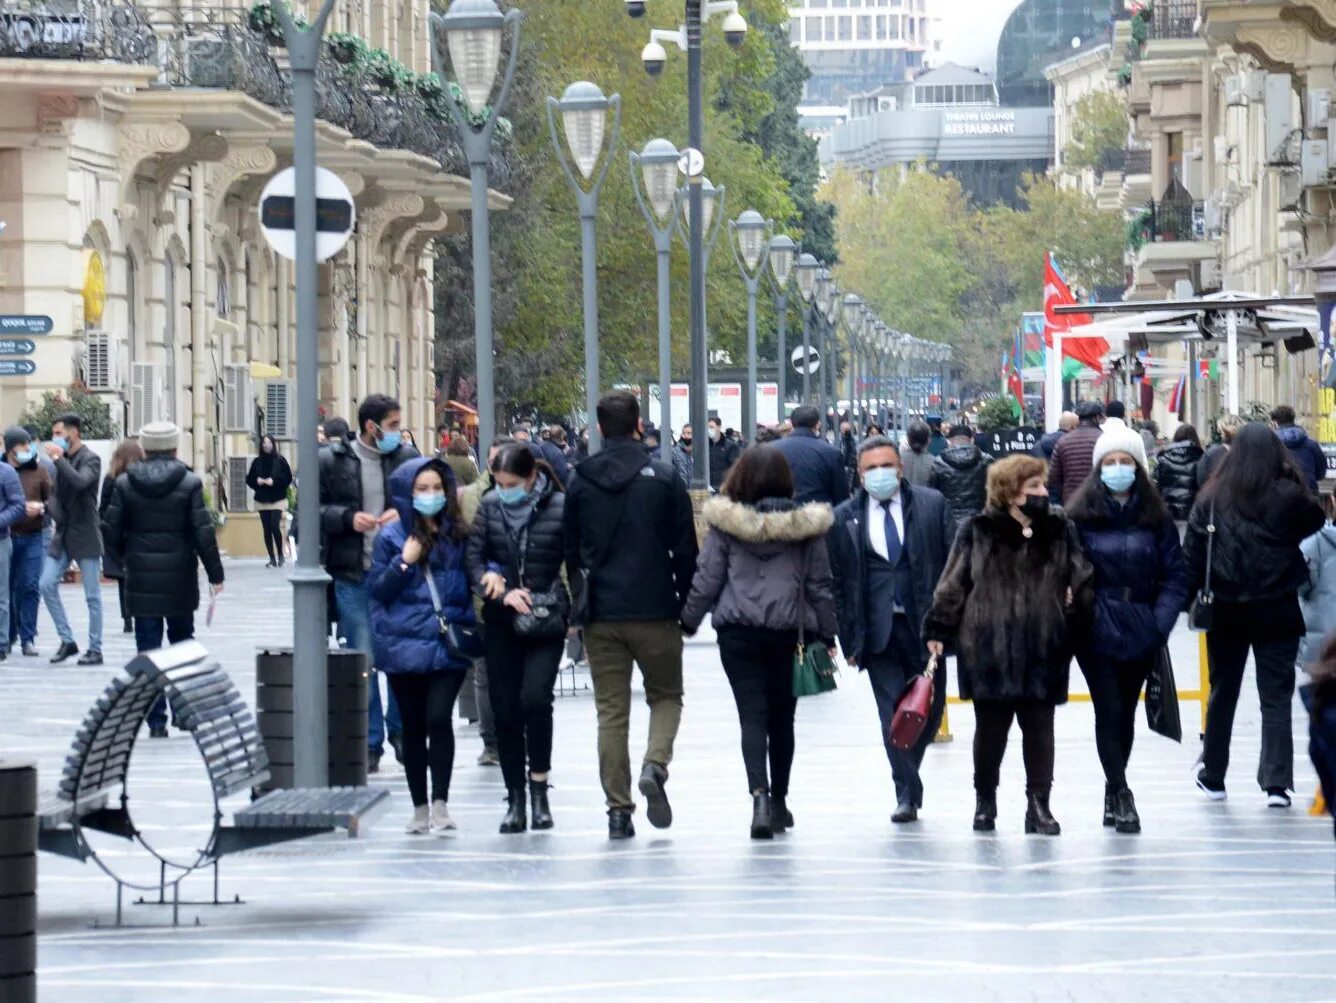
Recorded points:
93,794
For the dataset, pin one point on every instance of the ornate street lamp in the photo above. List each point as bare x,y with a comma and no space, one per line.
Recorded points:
783,258
751,244
654,180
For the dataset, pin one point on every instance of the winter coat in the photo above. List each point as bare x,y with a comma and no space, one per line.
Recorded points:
916,468
111,563
682,464
405,632
756,563
1176,477
13,506
1317,596
37,487
630,525
1073,457
928,533
1047,443
1209,461
556,459
493,546
463,467
961,475
937,444
269,466
78,527
341,499
159,529
1003,601
1306,454
817,468
1141,580
723,454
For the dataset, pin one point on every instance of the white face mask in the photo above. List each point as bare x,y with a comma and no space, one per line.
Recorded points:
715,434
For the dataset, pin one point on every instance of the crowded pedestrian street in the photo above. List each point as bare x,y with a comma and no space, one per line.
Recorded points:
1220,901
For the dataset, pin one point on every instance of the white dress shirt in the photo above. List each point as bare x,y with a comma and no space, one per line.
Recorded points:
876,523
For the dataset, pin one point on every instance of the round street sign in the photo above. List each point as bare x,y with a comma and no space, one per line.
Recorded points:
692,162
813,361
334,213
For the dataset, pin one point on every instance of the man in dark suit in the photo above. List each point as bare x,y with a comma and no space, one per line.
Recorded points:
888,548
817,466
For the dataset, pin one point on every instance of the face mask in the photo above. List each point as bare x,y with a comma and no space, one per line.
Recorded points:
60,441
428,504
715,434
1035,506
25,455
882,483
686,443
1118,478
388,441
512,496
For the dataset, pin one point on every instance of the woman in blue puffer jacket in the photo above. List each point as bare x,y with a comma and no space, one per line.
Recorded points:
406,637
1141,585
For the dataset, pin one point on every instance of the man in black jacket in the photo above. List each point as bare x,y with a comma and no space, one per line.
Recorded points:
961,475
723,454
1306,453
354,505
816,465
158,526
888,548
78,536
631,535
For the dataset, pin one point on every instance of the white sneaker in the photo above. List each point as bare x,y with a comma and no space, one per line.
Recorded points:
421,823
1277,798
440,818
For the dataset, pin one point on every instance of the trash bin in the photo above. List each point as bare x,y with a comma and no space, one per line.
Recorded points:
18,881
349,673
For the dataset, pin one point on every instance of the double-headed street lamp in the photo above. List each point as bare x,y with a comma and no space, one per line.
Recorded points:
750,234
783,256
809,275
851,312
830,307
654,180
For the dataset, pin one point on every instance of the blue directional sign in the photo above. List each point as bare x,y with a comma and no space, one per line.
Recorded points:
17,346
17,367
24,324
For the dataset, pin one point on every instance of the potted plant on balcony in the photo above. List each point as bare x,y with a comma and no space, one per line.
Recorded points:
347,49
263,22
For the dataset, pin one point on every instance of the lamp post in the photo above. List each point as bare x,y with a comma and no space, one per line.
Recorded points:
851,312
809,271
584,113
830,304
783,256
896,351
750,234
658,196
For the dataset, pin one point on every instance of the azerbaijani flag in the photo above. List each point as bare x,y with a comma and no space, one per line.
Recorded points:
1208,369
1088,351
1177,395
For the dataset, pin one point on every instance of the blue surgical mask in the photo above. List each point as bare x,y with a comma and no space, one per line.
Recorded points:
429,505
25,455
61,441
882,483
388,441
1118,477
512,496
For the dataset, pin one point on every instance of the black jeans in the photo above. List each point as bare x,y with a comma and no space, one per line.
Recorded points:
890,673
521,673
1274,658
271,522
992,722
148,637
759,666
426,704
1115,690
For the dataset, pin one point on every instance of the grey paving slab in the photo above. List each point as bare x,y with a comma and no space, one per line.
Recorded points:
1220,902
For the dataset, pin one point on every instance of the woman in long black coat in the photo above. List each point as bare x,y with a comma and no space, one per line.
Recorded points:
270,477
1013,585
1176,472
128,452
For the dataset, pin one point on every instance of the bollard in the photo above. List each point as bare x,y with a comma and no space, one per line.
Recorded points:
944,729
1204,670
18,881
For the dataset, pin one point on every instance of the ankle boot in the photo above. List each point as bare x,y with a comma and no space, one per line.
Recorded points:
781,819
1108,806
1038,819
542,814
761,826
1125,817
985,812
514,820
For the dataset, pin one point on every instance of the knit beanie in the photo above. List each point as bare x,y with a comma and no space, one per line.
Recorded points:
159,437
1118,438
16,436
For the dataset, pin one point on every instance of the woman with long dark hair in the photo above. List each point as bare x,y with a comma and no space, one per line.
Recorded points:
515,557
270,477
1254,511
916,461
129,451
418,583
1141,585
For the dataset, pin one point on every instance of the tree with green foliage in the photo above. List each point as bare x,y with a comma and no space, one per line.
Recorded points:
1099,128
996,414
76,399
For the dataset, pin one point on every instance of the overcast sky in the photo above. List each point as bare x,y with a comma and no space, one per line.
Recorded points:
972,28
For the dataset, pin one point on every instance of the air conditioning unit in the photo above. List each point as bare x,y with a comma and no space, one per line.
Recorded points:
1210,276
1234,97
1317,108
238,402
1279,118
1291,191
238,495
1314,163
99,365
1192,173
1213,217
280,406
146,393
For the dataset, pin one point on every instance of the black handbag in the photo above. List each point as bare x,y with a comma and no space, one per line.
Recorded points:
549,610
1201,614
462,640
1162,711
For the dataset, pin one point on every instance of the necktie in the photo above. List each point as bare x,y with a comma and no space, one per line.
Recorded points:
892,536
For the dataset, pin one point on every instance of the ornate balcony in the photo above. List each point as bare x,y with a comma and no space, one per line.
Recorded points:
1174,19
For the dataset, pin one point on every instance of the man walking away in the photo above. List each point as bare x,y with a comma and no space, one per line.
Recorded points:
937,445
631,534
1049,442
25,566
961,475
1072,456
13,510
1306,453
354,505
723,454
816,465
77,538
544,450
158,526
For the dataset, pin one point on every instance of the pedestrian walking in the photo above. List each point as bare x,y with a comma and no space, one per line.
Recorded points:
916,462
961,475
631,538
160,531
13,510
937,445
269,477
77,538
1322,723
543,450
25,563
817,466
1304,451
888,547
1227,426
1072,455
723,453
515,555
1176,472
1067,421
1317,597
127,453
459,458
682,461
417,584
1141,585
354,507
764,572
1256,510
1015,590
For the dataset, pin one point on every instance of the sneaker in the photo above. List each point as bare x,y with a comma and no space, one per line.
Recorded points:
441,822
159,732
30,651
91,658
488,757
420,824
1210,790
1277,797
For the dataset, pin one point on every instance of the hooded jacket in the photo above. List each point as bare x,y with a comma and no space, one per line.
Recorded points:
961,475
158,528
494,546
405,631
758,560
1317,596
1307,454
629,525
341,499
13,506
1176,477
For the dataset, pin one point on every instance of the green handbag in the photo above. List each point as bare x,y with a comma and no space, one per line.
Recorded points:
813,669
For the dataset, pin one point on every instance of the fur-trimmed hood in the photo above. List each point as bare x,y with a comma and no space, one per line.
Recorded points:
773,520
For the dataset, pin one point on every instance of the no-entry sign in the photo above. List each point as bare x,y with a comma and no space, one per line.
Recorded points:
334,213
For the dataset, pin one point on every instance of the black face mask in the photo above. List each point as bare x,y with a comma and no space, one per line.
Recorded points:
686,443
1035,506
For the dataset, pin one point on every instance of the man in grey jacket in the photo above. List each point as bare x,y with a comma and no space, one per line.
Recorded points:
78,536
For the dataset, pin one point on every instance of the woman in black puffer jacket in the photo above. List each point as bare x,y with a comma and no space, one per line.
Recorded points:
515,552
1258,509
1176,472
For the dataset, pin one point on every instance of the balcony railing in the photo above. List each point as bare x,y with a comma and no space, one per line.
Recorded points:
1174,19
1136,162
1174,220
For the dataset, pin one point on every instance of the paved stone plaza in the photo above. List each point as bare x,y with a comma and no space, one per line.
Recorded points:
1214,902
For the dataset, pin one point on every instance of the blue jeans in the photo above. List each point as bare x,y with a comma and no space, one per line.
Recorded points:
355,628
6,552
25,591
53,570
148,637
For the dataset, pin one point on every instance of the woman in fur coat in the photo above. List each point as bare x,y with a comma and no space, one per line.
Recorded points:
763,567
1014,588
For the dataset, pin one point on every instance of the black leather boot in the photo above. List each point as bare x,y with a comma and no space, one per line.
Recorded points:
985,812
542,814
514,820
781,819
1125,817
619,824
1108,807
1038,819
761,826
